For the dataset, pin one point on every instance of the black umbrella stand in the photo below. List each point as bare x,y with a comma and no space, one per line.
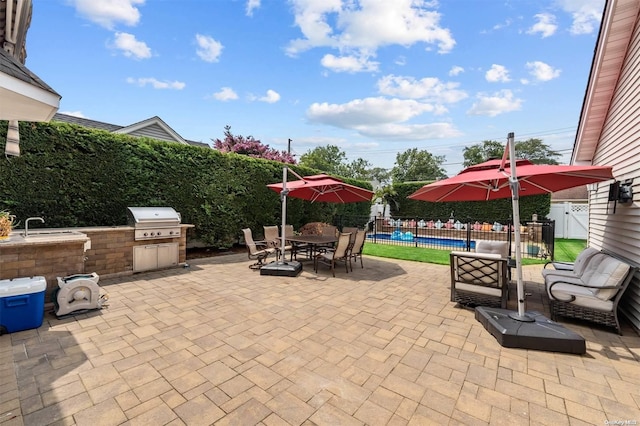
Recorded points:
526,330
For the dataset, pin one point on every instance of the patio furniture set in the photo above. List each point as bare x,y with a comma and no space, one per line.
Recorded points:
320,243
589,289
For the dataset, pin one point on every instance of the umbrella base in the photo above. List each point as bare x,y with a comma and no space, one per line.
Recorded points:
282,269
538,332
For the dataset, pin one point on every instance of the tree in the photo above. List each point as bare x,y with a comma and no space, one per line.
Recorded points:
359,169
414,165
329,159
537,152
481,152
251,147
533,150
387,194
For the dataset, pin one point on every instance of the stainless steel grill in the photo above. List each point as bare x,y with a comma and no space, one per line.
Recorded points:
152,223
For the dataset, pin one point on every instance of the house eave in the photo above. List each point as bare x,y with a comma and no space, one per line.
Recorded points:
618,22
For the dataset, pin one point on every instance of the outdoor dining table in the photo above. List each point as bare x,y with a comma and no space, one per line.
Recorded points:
311,243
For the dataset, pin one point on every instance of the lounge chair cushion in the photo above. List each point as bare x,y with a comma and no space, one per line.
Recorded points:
601,270
577,268
494,247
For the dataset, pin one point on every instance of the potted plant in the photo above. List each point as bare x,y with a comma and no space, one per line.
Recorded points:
7,221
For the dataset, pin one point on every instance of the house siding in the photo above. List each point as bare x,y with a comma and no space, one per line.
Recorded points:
619,146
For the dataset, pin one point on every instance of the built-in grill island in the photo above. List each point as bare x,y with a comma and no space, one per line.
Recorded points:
154,224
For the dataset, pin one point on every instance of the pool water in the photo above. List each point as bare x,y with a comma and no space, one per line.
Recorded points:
404,237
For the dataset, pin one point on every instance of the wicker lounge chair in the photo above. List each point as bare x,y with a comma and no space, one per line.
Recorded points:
594,294
479,279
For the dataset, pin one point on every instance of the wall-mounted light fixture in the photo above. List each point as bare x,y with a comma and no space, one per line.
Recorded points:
625,192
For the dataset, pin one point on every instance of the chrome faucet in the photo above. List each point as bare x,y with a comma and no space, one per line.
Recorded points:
26,224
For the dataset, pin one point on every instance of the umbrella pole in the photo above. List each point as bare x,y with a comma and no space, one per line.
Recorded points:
283,196
515,200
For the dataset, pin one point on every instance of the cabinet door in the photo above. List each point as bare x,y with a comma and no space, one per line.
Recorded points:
167,255
145,258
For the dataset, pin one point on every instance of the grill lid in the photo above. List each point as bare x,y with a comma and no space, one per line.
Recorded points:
161,216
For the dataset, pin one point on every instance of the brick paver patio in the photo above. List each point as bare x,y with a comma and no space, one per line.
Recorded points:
216,343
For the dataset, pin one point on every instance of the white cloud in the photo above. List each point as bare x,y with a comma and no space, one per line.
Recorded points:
426,89
381,118
107,13
542,72
456,70
586,14
497,73
209,49
368,111
131,47
78,114
271,97
348,63
546,25
505,24
496,104
251,5
400,60
411,132
226,94
360,28
156,84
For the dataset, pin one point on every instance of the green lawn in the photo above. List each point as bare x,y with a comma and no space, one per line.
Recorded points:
565,251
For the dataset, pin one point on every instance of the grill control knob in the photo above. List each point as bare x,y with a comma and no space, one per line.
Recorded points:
158,233
145,234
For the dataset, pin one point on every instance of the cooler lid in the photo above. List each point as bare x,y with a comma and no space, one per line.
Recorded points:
20,286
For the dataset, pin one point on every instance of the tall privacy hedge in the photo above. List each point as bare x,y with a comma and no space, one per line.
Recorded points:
490,211
73,176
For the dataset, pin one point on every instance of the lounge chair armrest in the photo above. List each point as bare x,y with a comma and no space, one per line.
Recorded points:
604,287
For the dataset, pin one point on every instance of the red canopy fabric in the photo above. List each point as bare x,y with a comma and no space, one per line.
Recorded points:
486,181
324,188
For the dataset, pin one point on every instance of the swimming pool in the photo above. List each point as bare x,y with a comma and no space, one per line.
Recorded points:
427,241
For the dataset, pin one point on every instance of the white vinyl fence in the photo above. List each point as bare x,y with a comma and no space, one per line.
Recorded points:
572,220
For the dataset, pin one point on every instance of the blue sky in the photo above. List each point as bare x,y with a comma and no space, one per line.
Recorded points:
374,77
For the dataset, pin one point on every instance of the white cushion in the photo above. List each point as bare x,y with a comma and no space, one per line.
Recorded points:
584,297
495,247
471,288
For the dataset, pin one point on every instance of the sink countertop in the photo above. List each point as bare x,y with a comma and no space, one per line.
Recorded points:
42,236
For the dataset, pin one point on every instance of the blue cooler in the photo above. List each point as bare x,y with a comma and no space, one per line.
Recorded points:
21,303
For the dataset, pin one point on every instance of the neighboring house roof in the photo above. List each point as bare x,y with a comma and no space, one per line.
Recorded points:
579,193
153,127
616,29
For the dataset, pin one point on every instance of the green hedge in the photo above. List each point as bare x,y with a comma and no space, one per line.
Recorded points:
483,211
73,176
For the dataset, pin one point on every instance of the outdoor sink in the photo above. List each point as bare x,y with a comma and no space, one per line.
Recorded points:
53,235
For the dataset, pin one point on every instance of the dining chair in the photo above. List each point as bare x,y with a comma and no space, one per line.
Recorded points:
356,248
272,237
256,250
339,253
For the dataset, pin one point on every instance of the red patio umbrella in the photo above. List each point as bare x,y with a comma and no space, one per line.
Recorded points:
490,181
324,188
497,179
